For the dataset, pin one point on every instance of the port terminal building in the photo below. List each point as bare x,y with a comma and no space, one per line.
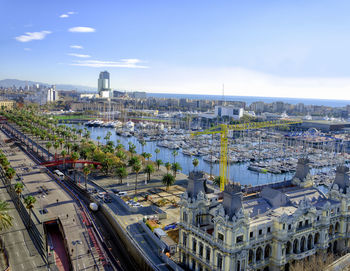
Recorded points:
263,228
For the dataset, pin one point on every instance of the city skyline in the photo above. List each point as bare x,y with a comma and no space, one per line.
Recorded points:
270,50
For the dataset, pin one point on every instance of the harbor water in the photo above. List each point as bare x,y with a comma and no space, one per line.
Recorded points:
238,172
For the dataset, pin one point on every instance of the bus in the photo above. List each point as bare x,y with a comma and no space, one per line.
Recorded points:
59,174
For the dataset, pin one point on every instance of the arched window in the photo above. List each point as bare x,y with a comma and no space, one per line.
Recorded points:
288,248
267,253
309,242
302,244
184,217
250,256
337,227
258,256
295,246
330,231
317,238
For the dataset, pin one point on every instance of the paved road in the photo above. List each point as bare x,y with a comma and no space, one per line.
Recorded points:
129,222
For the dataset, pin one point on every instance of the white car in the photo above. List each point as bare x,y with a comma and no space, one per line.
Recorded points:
101,195
122,193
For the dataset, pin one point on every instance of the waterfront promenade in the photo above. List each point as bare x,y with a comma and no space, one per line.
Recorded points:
57,204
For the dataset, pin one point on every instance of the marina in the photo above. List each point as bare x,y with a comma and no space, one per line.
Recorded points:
254,159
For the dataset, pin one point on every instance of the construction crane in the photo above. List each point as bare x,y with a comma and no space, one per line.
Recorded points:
223,129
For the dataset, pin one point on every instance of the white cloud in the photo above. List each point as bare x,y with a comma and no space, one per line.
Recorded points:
27,49
76,47
71,12
81,29
29,36
123,63
64,16
79,55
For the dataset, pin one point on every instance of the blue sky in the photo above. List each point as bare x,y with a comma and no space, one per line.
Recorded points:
256,48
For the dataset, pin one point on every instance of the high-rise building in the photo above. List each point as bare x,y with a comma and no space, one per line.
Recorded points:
103,85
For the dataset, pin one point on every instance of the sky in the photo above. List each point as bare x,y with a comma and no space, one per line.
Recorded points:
267,48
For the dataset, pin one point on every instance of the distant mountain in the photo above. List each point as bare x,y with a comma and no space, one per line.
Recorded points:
23,83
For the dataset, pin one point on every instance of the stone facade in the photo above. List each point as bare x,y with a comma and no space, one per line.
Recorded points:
266,230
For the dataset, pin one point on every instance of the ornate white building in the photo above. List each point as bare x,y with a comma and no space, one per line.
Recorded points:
263,228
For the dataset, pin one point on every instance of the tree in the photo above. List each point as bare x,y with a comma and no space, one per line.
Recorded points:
167,166
143,144
18,189
168,180
157,151
10,173
159,162
86,170
216,181
108,136
98,140
122,173
68,146
134,160
175,153
64,154
74,157
5,218
195,163
148,156
176,167
29,201
119,147
149,169
55,146
48,146
132,148
121,155
136,169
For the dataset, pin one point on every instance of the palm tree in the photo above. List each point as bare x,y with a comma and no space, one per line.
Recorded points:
143,144
48,146
176,167
148,156
159,162
167,166
68,146
122,173
216,181
64,154
157,151
149,169
86,171
195,163
168,180
134,160
136,168
121,155
175,153
55,146
74,157
132,148
10,173
5,218
29,201
18,189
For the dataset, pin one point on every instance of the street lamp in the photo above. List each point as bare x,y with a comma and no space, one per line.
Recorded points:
75,243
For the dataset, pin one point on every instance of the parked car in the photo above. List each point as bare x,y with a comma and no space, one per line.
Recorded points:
115,191
122,193
101,195
107,199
